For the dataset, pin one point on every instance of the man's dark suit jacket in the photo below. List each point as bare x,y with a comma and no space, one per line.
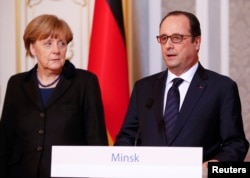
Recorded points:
210,117
72,116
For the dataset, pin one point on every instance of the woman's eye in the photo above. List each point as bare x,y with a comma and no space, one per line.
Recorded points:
47,44
61,44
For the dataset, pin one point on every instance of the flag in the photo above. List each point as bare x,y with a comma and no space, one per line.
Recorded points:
108,60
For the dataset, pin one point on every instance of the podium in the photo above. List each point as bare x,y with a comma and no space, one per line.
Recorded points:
126,162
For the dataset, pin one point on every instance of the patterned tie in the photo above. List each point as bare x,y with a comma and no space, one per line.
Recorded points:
172,107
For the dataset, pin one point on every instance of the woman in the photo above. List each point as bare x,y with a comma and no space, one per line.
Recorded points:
52,104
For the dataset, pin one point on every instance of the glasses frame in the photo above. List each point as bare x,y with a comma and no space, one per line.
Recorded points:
183,37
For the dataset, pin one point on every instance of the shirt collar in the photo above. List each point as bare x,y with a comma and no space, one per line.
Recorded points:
186,76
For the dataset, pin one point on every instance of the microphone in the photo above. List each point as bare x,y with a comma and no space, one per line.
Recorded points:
148,105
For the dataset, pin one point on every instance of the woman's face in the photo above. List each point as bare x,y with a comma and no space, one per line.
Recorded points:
50,53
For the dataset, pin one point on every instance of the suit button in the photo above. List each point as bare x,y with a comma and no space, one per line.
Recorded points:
41,132
39,148
42,114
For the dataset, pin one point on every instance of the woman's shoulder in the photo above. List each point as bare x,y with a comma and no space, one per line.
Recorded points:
19,76
70,71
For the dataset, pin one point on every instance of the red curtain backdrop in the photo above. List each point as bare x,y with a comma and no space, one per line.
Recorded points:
108,60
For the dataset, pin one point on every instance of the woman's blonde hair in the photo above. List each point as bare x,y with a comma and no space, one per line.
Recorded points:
44,26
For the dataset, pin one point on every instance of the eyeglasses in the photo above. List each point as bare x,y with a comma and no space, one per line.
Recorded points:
175,38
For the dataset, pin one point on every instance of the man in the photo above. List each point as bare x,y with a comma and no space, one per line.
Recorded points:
209,109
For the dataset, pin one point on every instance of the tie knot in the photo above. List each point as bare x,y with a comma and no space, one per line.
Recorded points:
177,82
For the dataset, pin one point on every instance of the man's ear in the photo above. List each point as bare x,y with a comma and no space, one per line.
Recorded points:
197,42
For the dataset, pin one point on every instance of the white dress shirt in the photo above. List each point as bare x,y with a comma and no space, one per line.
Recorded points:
187,77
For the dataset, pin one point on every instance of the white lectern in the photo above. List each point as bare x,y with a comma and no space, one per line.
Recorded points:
126,162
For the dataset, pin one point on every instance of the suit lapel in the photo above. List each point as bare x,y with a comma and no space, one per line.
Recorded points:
197,87
158,96
31,89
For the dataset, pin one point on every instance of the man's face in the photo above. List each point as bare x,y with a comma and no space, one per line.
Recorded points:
179,57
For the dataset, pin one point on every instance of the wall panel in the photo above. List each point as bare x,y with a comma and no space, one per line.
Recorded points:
239,53
77,13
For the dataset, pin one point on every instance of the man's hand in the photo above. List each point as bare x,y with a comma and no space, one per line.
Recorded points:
205,164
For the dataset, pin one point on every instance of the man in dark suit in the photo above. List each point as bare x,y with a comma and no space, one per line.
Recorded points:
209,104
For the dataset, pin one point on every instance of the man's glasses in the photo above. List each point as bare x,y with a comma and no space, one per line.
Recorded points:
175,38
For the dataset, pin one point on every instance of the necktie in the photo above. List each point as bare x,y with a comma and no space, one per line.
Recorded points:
172,107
